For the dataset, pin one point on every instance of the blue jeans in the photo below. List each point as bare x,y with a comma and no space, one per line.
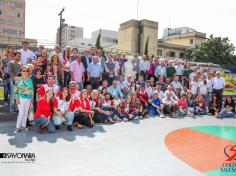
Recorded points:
66,78
42,121
225,114
69,117
6,83
13,106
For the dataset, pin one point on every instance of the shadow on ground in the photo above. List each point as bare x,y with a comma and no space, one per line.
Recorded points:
21,139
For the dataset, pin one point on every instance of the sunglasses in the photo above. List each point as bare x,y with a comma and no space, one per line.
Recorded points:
25,71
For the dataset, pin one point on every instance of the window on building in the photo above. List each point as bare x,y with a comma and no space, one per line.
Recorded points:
89,44
18,15
181,55
81,43
172,54
159,52
191,41
0,11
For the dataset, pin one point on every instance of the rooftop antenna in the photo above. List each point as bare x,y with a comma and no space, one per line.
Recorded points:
137,8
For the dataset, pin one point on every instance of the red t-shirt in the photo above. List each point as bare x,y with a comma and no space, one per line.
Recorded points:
43,108
182,103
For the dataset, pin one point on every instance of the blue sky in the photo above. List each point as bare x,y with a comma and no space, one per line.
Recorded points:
215,17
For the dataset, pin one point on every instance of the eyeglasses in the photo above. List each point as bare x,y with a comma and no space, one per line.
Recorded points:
25,71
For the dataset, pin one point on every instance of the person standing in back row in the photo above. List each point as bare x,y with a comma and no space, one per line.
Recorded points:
218,86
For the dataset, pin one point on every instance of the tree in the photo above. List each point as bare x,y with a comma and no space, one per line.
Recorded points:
215,50
98,41
146,47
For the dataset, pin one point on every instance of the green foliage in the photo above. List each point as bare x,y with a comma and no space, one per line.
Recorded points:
146,47
215,50
98,41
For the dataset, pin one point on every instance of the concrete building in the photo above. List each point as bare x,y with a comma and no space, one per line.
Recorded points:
81,43
166,50
133,35
177,31
12,18
108,37
12,24
69,33
190,39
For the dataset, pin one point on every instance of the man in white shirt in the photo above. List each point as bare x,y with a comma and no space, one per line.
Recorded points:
218,86
144,67
170,105
179,68
26,55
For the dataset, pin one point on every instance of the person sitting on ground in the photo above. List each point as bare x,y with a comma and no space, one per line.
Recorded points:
190,103
214,106
63,109
83,116
182,105
170,105
161,94
155,107
172,93
127,109
141,112
200,105
229,109
43,114
143,97
101,114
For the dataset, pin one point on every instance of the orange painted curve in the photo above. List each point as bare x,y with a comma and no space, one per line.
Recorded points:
201,151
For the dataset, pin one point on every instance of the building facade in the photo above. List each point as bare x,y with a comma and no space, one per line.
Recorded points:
133,35
81,43
190,39
108,37
166,50
12,18
12,25
69,33
177,31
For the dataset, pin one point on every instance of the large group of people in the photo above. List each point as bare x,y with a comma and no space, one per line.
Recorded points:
77,89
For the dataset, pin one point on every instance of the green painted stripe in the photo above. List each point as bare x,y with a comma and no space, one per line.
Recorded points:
218,172
226,132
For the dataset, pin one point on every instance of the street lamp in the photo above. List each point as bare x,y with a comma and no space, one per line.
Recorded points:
61,22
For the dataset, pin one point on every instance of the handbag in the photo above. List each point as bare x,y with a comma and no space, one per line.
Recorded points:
31,112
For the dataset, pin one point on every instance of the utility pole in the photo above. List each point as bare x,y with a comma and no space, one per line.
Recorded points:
61,22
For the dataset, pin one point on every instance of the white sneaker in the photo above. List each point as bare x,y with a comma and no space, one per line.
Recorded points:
125,119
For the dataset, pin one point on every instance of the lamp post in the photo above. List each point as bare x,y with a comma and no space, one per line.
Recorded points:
61,22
